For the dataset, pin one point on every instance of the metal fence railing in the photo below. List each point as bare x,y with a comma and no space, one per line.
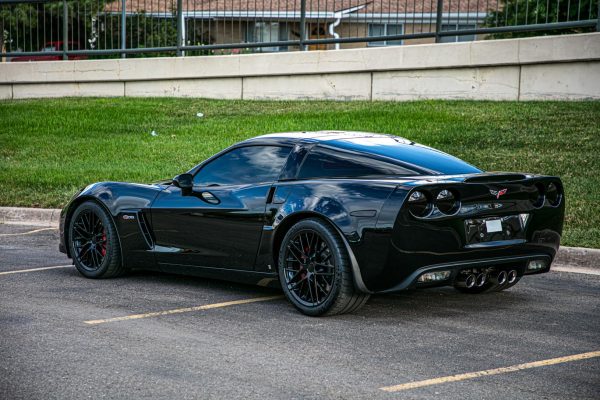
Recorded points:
65,29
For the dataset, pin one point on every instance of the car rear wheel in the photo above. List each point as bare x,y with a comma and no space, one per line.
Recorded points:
315,271
93,242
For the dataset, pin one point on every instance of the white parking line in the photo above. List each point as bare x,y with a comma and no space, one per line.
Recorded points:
28,232
488,372
182,310
20,271
575,270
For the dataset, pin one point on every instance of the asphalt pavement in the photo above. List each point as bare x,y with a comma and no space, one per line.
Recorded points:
159,336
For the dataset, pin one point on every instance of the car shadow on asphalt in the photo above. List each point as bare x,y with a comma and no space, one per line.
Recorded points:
409,304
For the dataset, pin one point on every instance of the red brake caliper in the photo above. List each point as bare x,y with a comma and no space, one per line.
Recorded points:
103,250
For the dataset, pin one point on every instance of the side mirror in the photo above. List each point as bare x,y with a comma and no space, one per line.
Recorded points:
185,182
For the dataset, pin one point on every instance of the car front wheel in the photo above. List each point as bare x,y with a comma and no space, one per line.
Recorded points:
93,241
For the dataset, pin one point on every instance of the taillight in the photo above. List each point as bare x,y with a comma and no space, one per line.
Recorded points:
537,195
554,194
447,202
419,204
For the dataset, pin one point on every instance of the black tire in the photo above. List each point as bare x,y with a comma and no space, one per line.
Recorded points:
94,242
323,263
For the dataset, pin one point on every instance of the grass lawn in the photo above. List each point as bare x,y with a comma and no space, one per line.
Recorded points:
50,148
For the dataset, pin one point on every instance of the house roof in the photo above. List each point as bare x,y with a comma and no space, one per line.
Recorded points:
291,8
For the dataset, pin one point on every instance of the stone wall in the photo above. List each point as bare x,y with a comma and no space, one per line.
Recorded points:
544,68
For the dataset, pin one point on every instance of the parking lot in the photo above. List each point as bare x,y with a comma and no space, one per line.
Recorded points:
150,335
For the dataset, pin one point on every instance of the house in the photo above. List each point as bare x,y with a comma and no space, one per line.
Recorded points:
253,21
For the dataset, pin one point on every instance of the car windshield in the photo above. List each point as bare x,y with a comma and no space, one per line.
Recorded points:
49,48
408,152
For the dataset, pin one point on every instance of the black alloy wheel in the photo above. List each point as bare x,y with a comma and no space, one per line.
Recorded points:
315,270
89,240
93,242
309,271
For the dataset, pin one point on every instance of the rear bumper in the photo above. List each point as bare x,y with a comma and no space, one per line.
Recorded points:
518,263
388,264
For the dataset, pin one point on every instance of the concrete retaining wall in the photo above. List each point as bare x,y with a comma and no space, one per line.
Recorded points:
544,68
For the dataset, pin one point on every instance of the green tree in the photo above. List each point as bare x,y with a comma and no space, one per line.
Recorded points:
93,24
26,26
530,12
13,15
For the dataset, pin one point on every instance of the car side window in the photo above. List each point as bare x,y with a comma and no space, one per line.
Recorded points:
325,163
244,165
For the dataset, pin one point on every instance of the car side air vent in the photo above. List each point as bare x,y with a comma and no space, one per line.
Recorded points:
145,230
495,178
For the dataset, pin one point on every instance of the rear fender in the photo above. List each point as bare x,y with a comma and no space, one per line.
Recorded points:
352,208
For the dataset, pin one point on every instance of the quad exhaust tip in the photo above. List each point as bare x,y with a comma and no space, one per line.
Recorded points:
470,281
481,279
466,281
499,278
502,277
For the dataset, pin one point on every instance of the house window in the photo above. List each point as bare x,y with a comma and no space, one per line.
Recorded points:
457,27
265,32
385,30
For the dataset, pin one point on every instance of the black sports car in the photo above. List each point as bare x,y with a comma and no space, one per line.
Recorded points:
331,217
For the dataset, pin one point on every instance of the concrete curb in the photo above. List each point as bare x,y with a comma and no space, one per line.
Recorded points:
47,217
578,256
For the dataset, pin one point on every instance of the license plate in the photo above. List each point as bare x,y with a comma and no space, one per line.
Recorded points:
493,229
494,225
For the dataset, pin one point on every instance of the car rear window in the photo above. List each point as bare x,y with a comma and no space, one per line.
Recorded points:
408,152
326,163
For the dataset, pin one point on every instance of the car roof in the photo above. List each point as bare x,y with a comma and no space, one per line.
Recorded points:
377,144
320,136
